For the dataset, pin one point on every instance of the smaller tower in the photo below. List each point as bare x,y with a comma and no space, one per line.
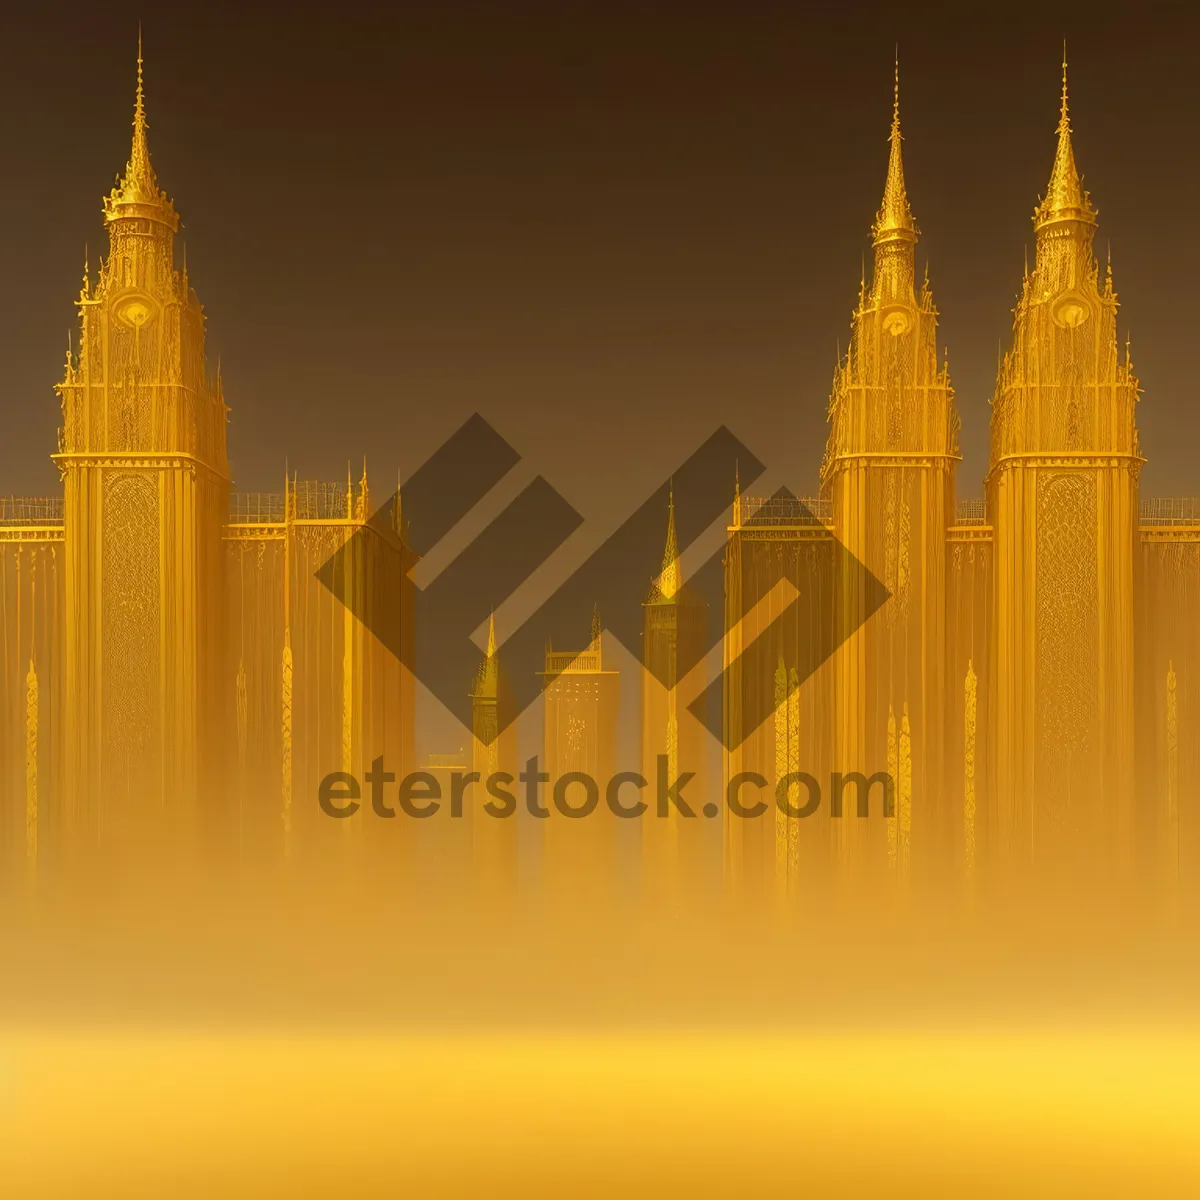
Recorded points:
494,754
676,851
582,701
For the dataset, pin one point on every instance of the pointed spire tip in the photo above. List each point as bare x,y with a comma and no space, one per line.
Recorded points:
1065,198
137,193
896,93
894,221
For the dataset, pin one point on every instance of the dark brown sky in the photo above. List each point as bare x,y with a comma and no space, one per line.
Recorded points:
607,227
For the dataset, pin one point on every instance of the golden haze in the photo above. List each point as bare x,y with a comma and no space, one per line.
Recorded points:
208,985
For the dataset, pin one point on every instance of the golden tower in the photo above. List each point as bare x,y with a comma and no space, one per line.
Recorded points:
494,839
675,850
1062,494
167,651
889,472
142,457
779,547
582,701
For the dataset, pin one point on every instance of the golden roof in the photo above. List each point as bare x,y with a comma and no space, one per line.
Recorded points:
668,579
1065,198
138,193
487,682
894,221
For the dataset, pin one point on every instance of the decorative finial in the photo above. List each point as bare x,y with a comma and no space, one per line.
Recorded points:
737,495
1065,198
895,92
668,579
487,679
139,172
138,193
1063,119
139,109
894,221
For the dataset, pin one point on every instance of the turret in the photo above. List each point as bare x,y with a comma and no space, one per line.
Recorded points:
138,197
1062,499
889,474
1065,221
894,233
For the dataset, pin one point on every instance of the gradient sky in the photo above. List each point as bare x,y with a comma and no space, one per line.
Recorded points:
607,227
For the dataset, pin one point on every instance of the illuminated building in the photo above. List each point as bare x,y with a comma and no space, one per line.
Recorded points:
582,702
184,676
675,630
171,670
494,839
1022,683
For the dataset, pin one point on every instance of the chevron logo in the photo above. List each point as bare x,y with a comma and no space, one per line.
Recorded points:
429,629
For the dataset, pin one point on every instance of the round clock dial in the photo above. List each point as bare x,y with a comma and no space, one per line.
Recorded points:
135,311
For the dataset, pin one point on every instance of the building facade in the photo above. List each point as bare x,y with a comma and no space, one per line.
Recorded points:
173,673
1023,686
677,852
172,670
582,696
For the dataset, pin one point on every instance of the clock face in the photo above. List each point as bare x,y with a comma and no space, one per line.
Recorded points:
135,311
1070,311
896,322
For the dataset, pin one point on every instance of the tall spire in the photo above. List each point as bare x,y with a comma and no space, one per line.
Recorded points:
138,193
1065,198
141,153
486,685
668,580
894,222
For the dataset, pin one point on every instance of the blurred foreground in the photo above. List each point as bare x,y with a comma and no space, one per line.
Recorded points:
293,1036
1068,1113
